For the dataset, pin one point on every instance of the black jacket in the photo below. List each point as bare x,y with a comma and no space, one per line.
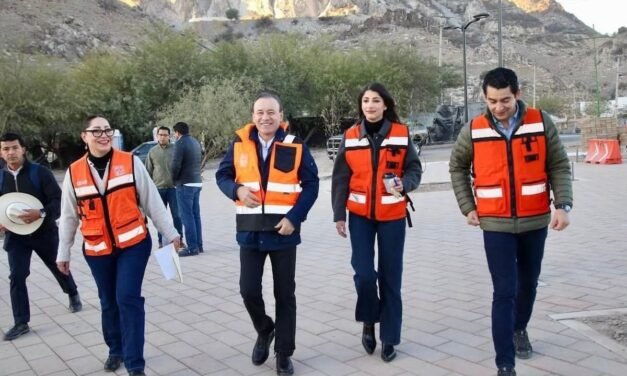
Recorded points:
186,160
49,193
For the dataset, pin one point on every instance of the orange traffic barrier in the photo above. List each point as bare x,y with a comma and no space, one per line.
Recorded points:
602,151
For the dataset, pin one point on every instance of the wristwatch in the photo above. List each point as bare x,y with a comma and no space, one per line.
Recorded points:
565,207
42,213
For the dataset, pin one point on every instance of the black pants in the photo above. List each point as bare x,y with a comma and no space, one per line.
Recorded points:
20,251
283,272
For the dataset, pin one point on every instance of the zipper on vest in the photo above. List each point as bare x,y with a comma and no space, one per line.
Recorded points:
375,168
512,181
105,208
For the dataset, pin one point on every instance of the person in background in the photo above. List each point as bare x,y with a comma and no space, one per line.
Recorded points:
158,167
515,158
187,177
372,151
16,177
109,193
273,180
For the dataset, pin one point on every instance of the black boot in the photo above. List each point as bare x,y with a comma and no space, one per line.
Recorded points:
387,352
506,371
261,351
16,331
112,363
284,366
367,338
75,303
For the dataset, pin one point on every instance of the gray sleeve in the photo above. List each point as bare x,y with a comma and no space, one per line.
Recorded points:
150,202
412,170
340,184
557,164
459,168
149,164
68,221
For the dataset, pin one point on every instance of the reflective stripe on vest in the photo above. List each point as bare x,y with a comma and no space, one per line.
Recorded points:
282,189
505,189
113,219
367,194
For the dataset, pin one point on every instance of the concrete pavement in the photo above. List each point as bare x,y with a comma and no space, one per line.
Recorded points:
201,327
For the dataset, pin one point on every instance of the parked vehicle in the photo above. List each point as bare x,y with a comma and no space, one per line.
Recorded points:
333,143
141,150
417,133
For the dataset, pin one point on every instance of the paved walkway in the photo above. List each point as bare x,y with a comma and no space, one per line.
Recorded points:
201,328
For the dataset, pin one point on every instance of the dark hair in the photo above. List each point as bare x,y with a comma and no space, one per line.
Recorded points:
267,93
163,128
181,127
12,137
89,118
501,78
390,112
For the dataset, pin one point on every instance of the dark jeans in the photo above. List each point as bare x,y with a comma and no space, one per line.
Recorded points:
189,210
514,261
119,279
168,195
283,273
385,307
20,252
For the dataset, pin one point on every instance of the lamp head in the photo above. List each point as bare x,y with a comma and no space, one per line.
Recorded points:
481,16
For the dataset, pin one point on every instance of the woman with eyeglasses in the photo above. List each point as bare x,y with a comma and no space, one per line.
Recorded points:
109,193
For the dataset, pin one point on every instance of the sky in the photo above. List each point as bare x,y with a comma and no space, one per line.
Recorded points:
606,15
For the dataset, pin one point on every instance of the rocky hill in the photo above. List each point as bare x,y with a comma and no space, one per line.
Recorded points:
535,32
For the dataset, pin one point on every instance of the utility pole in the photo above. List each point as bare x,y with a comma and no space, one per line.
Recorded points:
596,74
440,51
616,93
534,85
500,36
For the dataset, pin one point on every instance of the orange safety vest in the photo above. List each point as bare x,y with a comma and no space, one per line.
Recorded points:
113,219
368,196
510,178
282,189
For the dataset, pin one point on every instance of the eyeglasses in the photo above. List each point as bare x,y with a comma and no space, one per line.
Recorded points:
99,132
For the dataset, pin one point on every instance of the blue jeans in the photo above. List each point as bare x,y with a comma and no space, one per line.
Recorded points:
119,278
168,196
514,261
386,306
189,211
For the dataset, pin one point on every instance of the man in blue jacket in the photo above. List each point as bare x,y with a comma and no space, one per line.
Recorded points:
273,180
20,175
185,167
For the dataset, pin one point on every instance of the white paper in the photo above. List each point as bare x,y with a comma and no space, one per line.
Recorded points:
169,262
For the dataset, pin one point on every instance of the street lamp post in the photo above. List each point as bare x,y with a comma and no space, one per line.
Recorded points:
475,18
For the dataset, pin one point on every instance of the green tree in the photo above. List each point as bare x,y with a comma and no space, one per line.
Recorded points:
232,14
551,104
213,111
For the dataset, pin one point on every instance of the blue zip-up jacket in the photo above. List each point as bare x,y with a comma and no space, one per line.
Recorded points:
308,175
49,193
186,159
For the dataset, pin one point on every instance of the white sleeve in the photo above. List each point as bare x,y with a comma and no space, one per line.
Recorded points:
68,221
151,203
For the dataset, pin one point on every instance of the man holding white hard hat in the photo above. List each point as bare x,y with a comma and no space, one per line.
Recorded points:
30,201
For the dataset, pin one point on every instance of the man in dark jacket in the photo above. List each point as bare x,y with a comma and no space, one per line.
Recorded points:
273,180
515,158
18,177
186,175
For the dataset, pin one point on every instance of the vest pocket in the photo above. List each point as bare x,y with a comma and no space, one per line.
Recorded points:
284,158
533,197
491,198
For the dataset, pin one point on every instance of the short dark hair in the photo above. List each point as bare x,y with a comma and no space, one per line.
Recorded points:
267,93
501,78
390,112
9,136
89,118
163,128
181,127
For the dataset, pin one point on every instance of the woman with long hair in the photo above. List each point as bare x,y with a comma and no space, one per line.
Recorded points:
375,167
